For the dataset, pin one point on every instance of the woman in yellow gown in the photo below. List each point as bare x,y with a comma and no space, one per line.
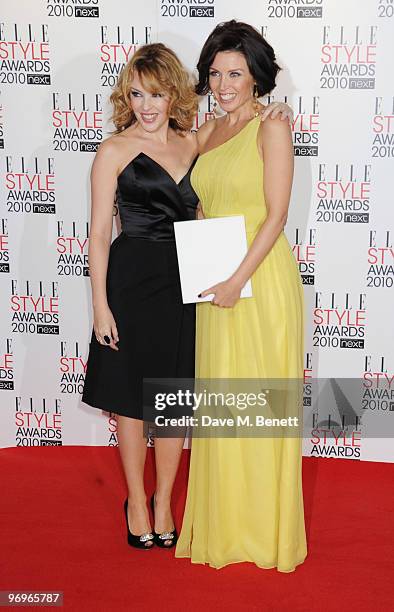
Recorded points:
244,500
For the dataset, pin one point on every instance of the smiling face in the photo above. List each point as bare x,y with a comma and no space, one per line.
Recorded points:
230,80
151,109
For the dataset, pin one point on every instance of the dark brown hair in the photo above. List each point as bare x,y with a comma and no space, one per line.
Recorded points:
238,36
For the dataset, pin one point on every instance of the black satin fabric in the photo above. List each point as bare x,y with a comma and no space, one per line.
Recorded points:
156,330
149,200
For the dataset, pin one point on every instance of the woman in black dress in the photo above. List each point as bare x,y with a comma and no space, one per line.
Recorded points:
141,327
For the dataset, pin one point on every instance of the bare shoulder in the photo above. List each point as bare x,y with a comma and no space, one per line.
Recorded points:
205,131
274,134
274,140
191,138
274,127
113,151
110,148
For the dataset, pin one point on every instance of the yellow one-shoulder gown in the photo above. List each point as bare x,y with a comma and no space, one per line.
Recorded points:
244,498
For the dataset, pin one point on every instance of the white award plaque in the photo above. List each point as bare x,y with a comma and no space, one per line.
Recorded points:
209,251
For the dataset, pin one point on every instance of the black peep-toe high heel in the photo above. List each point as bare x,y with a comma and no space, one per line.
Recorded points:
160,539
136,540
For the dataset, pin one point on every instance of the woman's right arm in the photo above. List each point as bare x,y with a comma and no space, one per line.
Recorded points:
103,180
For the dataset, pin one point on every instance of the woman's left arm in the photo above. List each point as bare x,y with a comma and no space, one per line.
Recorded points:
276,147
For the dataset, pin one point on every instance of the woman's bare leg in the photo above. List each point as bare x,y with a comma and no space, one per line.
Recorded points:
167,454
132,448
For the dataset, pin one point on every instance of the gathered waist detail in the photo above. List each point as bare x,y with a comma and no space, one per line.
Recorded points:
144,236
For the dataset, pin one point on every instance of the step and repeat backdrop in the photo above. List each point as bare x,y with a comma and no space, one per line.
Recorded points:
59,60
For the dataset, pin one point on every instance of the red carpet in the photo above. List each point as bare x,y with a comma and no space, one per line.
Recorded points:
63,528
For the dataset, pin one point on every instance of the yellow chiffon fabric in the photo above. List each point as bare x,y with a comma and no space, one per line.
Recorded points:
244,498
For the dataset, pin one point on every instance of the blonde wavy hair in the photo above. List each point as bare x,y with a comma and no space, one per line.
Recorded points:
160,71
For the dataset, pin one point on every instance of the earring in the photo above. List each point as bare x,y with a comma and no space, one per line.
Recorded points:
255,100
215,108
214,105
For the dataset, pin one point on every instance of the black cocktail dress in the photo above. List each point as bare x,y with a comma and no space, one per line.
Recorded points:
156,330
